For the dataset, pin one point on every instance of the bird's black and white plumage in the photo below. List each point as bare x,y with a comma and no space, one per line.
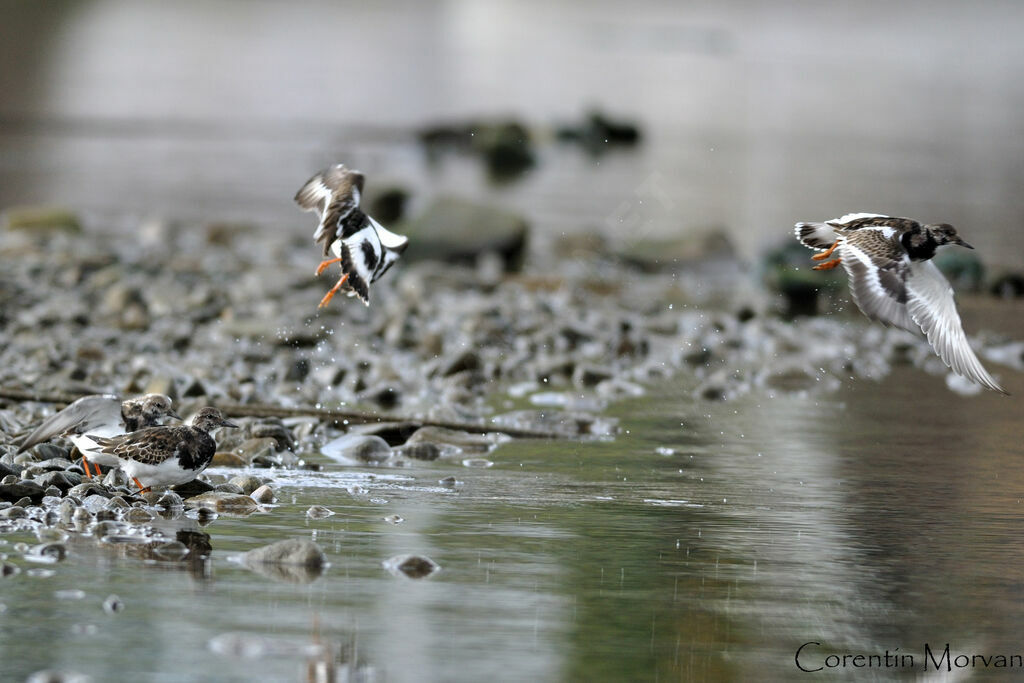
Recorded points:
104,415
164,456
894,281
365,249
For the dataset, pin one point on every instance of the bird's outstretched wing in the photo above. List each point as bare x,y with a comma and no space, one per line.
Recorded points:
334,193
85,414
877,283
930,303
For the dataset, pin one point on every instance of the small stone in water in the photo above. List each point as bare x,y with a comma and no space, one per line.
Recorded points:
172,550
113,604
263,494
8,569
39,573
393,519
318,512
448,481
477,462
46,553
412,566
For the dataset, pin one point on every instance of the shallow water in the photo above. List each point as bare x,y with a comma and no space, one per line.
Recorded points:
876,517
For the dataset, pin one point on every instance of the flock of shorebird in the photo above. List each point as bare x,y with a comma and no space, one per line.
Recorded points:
888,260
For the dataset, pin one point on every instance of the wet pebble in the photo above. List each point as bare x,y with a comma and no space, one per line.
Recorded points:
319,512
113,605
263,494
411,566
394,519
300,552
246,482
230,503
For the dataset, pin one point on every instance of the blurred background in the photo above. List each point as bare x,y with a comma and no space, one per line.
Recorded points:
750,116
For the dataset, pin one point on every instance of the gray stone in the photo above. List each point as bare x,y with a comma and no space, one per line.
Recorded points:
357,448
256,448
319,512
193,488
466,441
246,482
458,231
228,487
395,433
216,501
412,566
22,489
299,552
263,494
421,450
64,481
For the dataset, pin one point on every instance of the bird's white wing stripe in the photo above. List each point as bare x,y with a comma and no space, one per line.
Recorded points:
388,239
931,305
850,217
868,292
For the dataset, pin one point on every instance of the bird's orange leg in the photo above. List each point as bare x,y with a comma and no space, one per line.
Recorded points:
85,466
818,257
142,489
323,265
334,290
828,265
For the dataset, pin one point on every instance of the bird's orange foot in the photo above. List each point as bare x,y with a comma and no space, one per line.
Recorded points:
334,290
323,265
825,254
828,265
142,489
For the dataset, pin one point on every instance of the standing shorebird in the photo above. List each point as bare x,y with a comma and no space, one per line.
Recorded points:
164,456
100,415
364,247
893,279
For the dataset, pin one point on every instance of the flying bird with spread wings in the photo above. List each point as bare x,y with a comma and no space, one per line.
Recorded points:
364,248
893,279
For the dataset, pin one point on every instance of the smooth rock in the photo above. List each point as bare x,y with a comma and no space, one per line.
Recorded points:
255,448
246,482
223,459
458,231
193,488
299,552
263,494
411,566
22,489
216,501
422,450
357,448
319,512
465,441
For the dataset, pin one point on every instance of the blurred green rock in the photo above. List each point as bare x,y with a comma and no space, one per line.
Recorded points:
458,231
41,218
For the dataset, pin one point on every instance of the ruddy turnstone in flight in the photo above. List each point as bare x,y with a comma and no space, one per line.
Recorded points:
893,279
103,415
363,246
164,456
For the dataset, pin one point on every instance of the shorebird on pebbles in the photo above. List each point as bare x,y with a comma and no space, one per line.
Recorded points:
103,415
164,456
893,279
363,247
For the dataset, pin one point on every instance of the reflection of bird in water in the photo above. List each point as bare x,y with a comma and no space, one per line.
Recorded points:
163,456
102,415
363,246
893,279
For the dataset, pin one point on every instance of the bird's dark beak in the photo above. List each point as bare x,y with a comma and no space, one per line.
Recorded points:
963,244
228,423
171,413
